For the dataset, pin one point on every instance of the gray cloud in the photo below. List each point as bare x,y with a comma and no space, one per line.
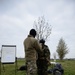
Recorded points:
17,18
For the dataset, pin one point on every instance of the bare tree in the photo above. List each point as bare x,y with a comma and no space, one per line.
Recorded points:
43,28
62,49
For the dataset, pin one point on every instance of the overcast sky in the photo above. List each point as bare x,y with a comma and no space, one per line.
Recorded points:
17,18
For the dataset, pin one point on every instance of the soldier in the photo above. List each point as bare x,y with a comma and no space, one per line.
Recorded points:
31,47
43,60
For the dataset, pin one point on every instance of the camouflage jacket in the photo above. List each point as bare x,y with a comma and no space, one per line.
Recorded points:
45,54
31,47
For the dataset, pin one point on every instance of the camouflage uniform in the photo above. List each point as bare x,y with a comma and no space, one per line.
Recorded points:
31,46
31,68
43,61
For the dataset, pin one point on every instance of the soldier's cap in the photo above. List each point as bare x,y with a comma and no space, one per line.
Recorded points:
42,41
33,32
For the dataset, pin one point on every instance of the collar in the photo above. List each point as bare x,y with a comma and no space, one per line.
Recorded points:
30,36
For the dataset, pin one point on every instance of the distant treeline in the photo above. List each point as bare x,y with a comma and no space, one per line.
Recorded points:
51,58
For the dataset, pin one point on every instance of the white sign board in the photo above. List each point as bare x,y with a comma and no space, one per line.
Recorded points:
8,53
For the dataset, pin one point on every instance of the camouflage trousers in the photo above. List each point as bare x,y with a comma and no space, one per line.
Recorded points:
42,67
31,67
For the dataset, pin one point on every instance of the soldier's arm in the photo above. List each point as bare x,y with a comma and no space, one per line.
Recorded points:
47,53
37,46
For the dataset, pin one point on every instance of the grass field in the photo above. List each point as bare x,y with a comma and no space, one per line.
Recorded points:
9,69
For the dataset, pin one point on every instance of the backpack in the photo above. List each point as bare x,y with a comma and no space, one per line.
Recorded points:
56,70
24,67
